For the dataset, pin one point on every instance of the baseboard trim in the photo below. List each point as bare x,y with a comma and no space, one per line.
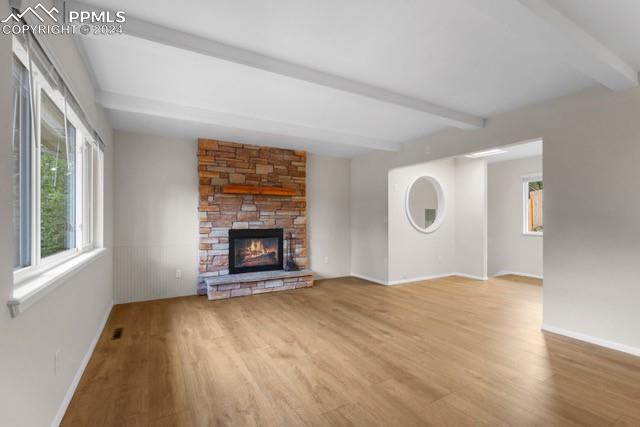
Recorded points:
83,364
369,279
592,340
340,276
470,276
419,279
515,273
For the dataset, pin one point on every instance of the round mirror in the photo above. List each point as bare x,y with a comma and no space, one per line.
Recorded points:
425,204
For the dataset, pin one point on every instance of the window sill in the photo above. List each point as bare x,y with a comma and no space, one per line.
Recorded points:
33,289
532,234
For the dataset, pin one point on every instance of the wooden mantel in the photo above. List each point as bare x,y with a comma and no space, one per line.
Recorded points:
252,189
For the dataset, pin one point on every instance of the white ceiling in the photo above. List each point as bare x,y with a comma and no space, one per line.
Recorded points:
475,58
613,23
182,78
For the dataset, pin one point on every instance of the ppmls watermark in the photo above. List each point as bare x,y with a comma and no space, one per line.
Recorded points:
42,20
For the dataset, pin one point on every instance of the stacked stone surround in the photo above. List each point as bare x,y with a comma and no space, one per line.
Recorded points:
221,163
253,288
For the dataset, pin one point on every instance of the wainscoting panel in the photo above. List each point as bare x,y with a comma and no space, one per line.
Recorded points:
149,272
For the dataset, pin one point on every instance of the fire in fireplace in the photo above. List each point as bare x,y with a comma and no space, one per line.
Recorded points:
255,250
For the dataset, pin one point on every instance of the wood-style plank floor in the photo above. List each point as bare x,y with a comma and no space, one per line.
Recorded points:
448,352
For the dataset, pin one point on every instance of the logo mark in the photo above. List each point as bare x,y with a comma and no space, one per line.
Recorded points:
34,11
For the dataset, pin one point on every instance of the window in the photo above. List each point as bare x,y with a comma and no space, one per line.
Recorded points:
57,167
533,202
21,156
57,204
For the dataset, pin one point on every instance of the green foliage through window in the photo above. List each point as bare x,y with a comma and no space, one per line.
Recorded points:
54,174
57,192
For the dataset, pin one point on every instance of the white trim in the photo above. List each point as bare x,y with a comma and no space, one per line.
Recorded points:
317,276
437,276
470,276
423,278
418,279
441,209
515,273
58,258
25,275
33,290
369,279
83,365
533,176
591,339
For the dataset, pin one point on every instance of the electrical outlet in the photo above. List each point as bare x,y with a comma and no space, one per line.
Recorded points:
56,362
178,274
326,260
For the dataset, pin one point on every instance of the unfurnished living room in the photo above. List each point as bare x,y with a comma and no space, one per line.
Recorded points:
320,213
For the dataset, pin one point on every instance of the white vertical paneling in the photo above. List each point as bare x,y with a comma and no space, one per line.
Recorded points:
149,272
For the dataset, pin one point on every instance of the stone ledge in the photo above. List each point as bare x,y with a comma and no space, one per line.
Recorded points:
254,277
239,285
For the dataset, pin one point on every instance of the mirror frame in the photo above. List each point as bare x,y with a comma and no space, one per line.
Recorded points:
440,211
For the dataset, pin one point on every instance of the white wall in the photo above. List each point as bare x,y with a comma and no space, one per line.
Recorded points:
329,215
156,217
70,316
509,249
369,217
471,218
458,246
591,152
412,254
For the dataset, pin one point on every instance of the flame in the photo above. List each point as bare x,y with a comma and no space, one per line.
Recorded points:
256,249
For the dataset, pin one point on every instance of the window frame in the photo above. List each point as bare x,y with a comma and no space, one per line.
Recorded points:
526,179
41,87
25,194
83,137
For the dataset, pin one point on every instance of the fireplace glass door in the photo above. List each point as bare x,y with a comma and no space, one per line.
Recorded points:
255,250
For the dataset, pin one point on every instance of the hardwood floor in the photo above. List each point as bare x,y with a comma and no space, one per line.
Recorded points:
447,352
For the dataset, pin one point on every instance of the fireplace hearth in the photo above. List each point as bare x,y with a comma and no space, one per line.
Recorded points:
255,250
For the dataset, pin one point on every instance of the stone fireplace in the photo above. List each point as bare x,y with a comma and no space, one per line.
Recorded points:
252,206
